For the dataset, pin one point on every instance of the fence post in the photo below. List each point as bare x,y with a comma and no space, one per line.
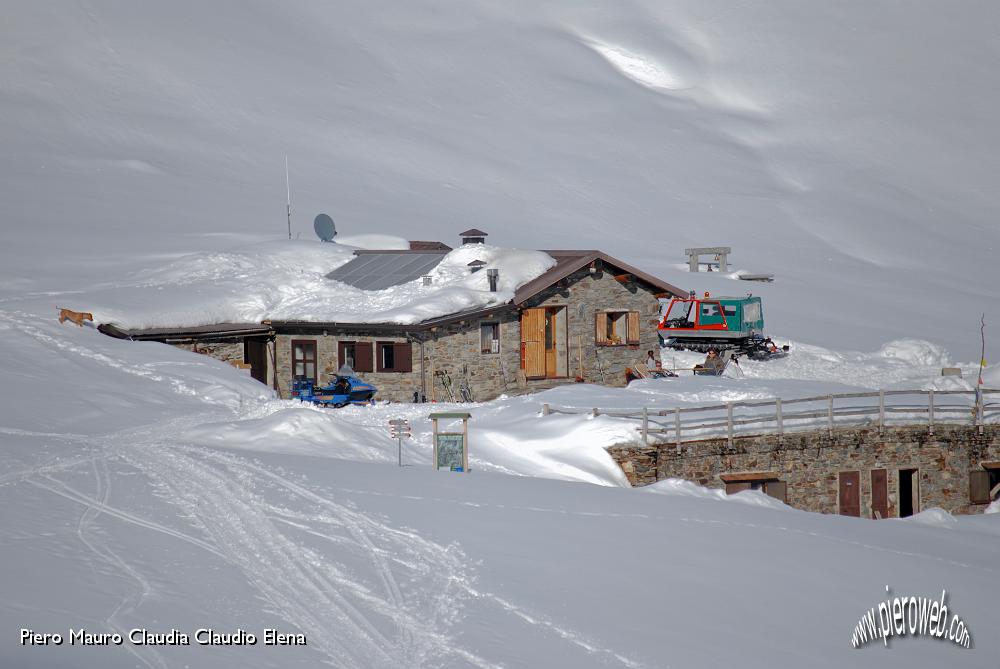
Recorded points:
729,422
829,416
545,410
677,427
645,426
881,411
781,423
930,411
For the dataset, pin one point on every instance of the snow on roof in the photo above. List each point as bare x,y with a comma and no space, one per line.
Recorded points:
286,280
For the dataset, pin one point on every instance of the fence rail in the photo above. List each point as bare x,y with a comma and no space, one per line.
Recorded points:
937,408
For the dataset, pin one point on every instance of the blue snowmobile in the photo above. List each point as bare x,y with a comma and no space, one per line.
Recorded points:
344,388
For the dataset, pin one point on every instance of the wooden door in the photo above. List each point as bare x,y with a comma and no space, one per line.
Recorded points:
551,328
255,353
850,493
533,342
880,494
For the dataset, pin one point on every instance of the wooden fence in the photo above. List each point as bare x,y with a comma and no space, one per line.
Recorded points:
756,417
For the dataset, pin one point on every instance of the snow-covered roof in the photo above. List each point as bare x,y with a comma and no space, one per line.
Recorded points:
292,281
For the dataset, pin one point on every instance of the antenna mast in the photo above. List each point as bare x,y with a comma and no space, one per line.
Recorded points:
288,192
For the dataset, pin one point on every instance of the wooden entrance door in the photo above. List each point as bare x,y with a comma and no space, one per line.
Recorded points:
533,354
255,354
880,494
850,493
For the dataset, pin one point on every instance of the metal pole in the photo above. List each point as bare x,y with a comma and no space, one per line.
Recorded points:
829,416
399,437
645,426
881,411
288,192
677,426
777,413
930,411
979,410
729,422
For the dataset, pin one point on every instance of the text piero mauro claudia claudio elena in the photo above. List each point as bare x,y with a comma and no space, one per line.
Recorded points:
143,637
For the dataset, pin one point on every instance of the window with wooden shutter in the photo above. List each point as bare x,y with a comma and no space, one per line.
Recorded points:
616,328
632,330
356,354
979,487
394,356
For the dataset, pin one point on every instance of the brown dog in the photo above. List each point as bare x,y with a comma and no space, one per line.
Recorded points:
77,317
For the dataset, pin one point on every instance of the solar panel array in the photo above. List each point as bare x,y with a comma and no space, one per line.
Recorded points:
375,271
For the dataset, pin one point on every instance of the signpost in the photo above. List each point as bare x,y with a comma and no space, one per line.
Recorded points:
451,449
399,429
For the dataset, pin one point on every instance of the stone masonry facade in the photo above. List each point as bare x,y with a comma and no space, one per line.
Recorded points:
810,463
454,351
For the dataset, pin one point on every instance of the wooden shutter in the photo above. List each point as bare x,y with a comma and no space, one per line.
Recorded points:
533,342
404,357
736,486
979,487
777,490
601,328
880,493
363,357
632,332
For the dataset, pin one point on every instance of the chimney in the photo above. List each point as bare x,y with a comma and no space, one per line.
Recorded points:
475,266
494,276
473,236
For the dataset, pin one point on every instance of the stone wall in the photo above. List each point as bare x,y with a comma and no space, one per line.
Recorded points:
810,463
454,351
225,351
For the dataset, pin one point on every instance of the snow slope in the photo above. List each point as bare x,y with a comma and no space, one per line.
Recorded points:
146,486
849,149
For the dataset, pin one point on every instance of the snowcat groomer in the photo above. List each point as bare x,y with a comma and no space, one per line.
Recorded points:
721,323
344,388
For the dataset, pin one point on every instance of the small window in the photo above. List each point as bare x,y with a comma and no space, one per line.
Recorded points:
489,338
304,358
771,487
709,309
729,310
617,328
394,356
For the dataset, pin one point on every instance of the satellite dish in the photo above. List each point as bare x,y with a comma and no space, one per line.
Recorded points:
324,227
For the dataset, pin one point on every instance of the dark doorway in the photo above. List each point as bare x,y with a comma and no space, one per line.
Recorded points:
909,492
255,354
850,493
880,494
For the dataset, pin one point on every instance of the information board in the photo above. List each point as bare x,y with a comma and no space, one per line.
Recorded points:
451,451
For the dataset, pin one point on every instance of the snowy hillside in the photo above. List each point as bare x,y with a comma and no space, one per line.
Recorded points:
850,149
167,491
